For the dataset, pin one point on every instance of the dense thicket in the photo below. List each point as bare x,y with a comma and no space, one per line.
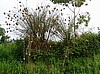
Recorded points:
86,45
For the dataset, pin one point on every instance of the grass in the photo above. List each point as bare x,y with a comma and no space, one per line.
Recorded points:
81,65
85,65
73,66
10,67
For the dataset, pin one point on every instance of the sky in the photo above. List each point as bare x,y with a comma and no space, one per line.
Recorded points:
92,8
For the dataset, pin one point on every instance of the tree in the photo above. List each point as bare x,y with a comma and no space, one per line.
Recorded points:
35,27
78,18
75,21
4,37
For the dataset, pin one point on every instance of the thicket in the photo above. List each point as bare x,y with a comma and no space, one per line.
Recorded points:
86,45
59,60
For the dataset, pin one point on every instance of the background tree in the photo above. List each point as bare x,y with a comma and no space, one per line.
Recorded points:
4,37
2,31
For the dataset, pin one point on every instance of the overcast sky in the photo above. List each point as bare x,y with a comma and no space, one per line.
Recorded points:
92,8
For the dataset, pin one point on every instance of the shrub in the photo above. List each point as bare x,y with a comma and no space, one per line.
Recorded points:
86,45
18,50
6,51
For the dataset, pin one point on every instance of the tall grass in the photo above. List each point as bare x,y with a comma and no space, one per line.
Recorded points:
71,66
84,65
11,67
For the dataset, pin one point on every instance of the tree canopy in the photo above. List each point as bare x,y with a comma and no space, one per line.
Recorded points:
77,3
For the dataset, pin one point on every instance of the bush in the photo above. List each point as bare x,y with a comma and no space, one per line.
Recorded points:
12,50
57,49
6,51
87,44
18,50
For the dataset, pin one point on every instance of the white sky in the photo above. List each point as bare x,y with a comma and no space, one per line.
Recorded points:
92,8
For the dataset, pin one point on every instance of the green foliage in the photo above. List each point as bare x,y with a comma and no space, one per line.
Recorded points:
83,19
18,50
86,45
2,31
68,56
60,1
57,49
4,39
39,26
6,51
11,67
77,3
83,65
69,66
12,51
87,48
